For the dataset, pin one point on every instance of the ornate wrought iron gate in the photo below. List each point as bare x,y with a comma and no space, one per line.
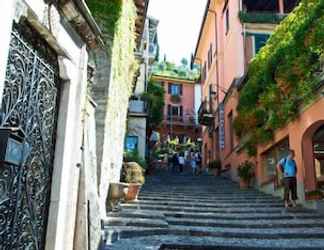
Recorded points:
30,102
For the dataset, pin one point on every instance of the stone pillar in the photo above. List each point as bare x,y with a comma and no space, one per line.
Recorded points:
281,7
6,19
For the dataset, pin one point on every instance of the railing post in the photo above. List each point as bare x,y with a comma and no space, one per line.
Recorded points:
281,7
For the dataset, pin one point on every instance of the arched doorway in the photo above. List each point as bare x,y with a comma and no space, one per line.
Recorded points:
318,153
313,156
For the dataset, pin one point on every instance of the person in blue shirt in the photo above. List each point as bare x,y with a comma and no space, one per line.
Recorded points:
288,167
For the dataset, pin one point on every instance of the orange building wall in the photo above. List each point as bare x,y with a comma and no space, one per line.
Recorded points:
230,61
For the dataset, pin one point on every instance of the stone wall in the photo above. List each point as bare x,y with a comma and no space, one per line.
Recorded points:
67,187
111,113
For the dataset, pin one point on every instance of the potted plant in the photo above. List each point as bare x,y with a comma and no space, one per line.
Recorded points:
245,172
133,174
215,167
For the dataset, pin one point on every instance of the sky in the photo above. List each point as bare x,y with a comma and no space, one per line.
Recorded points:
179,26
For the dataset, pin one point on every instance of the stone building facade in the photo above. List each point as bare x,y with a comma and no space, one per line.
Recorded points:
44,77
136,140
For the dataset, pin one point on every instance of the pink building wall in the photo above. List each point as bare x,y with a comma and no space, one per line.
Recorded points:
187,102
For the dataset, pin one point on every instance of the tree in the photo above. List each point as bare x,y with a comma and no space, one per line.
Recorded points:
184,62
155,102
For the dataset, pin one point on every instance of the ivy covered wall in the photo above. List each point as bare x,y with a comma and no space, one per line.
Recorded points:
115,69
282,77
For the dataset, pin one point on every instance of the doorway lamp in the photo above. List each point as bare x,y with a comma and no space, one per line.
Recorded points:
12,145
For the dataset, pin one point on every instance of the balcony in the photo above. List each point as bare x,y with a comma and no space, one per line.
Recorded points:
137,107
181,120
261,17
205,117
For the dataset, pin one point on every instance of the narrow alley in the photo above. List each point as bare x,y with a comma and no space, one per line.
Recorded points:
162,125
181,211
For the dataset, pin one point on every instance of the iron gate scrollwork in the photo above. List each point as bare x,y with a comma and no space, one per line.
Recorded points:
29,102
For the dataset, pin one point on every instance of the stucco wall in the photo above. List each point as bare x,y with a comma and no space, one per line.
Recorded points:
111,113
137,127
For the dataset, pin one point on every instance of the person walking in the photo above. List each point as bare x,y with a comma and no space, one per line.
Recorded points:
175,162
181,160
288,167
193,163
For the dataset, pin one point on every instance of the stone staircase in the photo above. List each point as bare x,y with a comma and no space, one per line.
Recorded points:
180,212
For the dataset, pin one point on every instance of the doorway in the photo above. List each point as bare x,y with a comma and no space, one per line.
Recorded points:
318,152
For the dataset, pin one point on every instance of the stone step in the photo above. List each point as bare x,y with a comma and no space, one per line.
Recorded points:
187,242
132,222
205,195
197,199
224,210
147,214
137,214
207,204
274,223
240,216
244,233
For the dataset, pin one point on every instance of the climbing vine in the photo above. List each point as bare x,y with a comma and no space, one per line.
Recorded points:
154,96
116,19
283,76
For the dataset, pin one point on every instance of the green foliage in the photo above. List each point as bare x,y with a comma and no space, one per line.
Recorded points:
246,170
132,172
154,98
260,17
116,19
135,157
107,14
282,76
216,164
165,68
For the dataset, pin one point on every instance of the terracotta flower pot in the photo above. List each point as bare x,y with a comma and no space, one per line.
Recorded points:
244,184
133,191
117,193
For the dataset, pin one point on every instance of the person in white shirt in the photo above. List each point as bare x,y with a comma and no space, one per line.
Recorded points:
181,162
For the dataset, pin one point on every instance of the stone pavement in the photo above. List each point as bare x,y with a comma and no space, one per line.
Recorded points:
182,212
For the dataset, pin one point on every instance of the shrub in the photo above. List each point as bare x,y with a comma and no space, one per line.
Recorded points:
246,170
135,157
132,172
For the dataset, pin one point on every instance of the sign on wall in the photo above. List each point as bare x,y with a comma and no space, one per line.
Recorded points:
221,127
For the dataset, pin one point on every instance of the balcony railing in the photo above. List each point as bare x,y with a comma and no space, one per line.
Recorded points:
261,17
182,120
137,106
205,116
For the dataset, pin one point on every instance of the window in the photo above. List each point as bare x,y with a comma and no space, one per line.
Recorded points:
210,56
174,111
259,41
273,156
175,89
204,73
230,130
227,21
289,5
131,143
